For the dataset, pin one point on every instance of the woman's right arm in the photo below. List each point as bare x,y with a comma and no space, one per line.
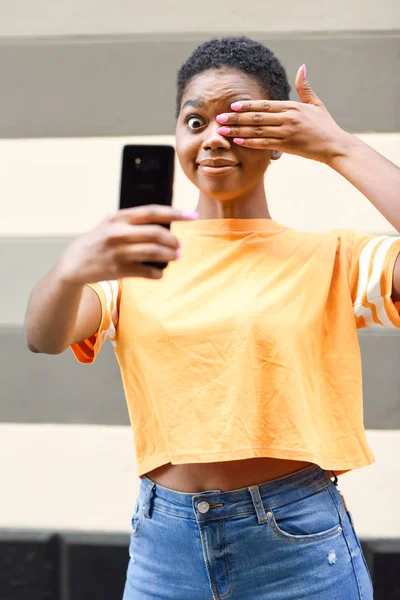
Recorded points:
60,313
62,309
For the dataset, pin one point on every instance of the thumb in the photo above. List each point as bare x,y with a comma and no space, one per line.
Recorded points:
304,89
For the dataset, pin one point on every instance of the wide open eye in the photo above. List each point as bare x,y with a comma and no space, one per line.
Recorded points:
194,122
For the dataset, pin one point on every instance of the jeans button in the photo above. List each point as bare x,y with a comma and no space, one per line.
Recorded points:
203,506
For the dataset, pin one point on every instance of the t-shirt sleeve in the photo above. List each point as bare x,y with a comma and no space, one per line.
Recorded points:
109,293
371,264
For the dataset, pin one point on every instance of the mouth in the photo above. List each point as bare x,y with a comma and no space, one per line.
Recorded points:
217,166
217,170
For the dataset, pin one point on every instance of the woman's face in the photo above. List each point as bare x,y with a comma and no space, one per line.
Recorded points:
217,166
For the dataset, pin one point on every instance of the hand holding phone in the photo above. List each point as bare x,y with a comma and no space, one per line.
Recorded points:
136,241
123,244
147,178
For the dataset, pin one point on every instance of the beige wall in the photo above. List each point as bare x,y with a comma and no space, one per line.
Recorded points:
64,187
88,481
80,17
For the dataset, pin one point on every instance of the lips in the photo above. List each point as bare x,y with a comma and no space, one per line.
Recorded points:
217,162
217,166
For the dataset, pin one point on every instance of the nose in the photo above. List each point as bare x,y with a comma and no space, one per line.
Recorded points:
213,140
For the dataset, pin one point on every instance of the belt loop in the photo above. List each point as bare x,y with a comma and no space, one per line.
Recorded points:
258,505
336,479
147,505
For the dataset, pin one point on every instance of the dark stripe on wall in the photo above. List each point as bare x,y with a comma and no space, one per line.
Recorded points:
119,86
23,262
37,388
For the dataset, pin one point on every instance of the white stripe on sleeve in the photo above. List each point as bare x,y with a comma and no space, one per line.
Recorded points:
374,285
109,299
114,312
364,262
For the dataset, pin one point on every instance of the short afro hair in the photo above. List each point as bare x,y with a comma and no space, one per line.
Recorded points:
235,52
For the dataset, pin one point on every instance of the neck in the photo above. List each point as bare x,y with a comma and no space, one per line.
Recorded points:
249,205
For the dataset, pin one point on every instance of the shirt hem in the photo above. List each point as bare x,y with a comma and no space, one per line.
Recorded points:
339,465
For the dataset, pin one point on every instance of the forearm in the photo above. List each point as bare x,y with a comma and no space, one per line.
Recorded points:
52,313
372,174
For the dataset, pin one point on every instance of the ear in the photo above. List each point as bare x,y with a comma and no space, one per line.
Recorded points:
276,154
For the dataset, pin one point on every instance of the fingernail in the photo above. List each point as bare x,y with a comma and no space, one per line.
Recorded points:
178,254
222,118
190,215
224,130
239,141
304,71
236,106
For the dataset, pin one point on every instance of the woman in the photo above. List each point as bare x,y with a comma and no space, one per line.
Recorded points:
241,366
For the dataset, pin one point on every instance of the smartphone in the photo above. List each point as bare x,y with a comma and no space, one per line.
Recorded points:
147,177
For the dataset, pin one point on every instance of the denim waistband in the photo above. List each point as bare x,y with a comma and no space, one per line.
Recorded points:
262,496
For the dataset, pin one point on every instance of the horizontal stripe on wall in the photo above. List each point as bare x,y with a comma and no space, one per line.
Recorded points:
161,16
84,478
73,87
62,187
38,388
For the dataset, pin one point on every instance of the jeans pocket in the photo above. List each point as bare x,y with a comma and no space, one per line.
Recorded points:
307,520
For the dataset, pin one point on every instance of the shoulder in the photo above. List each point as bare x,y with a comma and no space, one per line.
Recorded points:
335,237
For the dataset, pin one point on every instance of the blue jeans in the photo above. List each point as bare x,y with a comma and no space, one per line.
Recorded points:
287,539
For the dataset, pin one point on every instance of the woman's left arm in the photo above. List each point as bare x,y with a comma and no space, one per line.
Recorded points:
377,178
307,129
371,173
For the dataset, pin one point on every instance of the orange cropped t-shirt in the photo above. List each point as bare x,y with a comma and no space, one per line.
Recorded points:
247,347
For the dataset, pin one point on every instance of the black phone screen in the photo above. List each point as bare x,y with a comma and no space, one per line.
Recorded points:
147,177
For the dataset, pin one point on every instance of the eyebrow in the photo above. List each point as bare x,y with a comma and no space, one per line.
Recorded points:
196,102
199,102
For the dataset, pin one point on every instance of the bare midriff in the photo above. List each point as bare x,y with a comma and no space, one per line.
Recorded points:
224,476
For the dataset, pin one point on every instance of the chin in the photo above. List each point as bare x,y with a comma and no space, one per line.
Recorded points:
219,195
220,190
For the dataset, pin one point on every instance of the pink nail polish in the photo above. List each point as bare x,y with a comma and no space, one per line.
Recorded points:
178,254
237,106
190,215
224,130
239,141
304,71
222,118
